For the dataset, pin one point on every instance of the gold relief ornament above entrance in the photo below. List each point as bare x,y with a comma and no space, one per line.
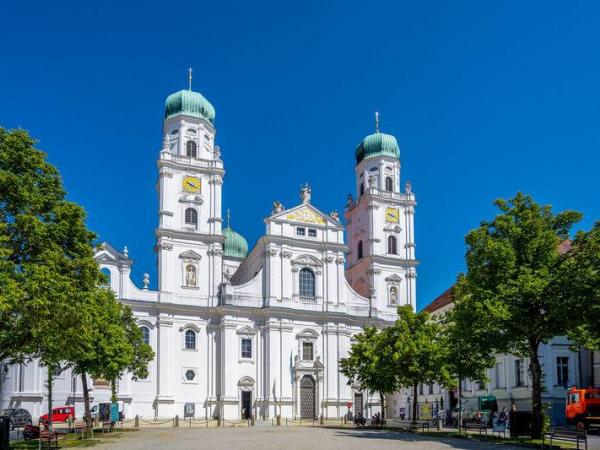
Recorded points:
306,215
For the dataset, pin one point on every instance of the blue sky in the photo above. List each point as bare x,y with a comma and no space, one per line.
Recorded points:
485,98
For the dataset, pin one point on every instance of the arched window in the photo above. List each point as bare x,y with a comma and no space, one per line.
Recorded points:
190,149
190,340
307,283
389,184
392,250
191,217
360,250
106,272
362,188
145,335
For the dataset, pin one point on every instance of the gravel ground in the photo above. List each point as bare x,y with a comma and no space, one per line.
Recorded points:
292,438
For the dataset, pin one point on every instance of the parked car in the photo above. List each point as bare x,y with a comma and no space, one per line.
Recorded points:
60,414
17,417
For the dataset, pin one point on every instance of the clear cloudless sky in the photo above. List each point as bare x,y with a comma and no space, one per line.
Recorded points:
486,98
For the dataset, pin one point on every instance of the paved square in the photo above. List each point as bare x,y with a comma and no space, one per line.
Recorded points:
292,438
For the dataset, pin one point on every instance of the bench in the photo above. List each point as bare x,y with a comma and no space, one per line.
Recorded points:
83,429
106,426
565,435
417,424
475,426
49,438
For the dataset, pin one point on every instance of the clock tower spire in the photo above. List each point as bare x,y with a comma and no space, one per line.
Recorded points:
381,262
190,169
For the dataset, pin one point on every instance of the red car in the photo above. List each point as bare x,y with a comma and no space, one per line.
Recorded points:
60,414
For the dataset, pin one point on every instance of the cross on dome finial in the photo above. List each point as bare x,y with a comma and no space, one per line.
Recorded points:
190,78
228,217
376,121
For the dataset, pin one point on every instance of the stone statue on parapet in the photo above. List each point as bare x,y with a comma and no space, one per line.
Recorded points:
305,193
277,207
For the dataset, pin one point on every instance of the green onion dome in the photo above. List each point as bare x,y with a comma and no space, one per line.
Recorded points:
377,144
189,103
235,245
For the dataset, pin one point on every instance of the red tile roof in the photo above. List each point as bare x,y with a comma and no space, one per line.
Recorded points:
440,302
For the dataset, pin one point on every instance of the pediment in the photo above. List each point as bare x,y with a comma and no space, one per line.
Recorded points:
395,278
190,254
107,254
307,214
307,334
246,381
307,260
246,331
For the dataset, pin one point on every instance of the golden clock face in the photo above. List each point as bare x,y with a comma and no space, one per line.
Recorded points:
191,184
391,215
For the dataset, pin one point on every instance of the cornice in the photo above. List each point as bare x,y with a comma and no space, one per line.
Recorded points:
188,235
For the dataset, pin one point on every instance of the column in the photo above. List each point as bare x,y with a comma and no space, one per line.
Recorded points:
164,399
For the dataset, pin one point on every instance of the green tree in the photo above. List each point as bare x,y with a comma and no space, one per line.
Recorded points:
418,351
581,282
369,363
47,259
466,349
513,283
110,343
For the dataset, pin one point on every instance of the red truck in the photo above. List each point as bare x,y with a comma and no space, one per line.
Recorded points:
583,407
60,414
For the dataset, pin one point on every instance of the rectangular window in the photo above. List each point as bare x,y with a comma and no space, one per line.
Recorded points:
300,231
480,385
519,372
420,388
431,389
500,375
307,351
312,232
246,348
562,370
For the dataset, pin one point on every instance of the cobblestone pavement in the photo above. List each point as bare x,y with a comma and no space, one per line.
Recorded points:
292,438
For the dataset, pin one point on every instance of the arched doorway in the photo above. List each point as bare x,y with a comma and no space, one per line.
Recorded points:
307,397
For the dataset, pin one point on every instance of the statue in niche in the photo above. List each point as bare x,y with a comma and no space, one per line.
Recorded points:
393,296
305,193
277,207
190,276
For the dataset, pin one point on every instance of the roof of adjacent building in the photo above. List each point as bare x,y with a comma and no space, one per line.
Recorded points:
445,299
189,103
377,144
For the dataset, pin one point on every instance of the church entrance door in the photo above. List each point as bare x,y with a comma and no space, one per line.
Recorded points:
307,397
246,404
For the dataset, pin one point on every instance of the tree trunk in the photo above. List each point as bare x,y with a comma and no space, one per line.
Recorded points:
113,390
459,404
382,398
536,392
50,381
414,413
86,399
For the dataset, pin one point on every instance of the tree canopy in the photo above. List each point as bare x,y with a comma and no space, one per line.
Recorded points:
515,267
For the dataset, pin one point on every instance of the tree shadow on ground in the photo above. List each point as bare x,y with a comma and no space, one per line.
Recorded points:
406,437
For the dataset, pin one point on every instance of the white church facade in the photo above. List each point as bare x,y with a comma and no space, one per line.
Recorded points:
238,333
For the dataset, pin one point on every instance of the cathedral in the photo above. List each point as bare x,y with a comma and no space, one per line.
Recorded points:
259,332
